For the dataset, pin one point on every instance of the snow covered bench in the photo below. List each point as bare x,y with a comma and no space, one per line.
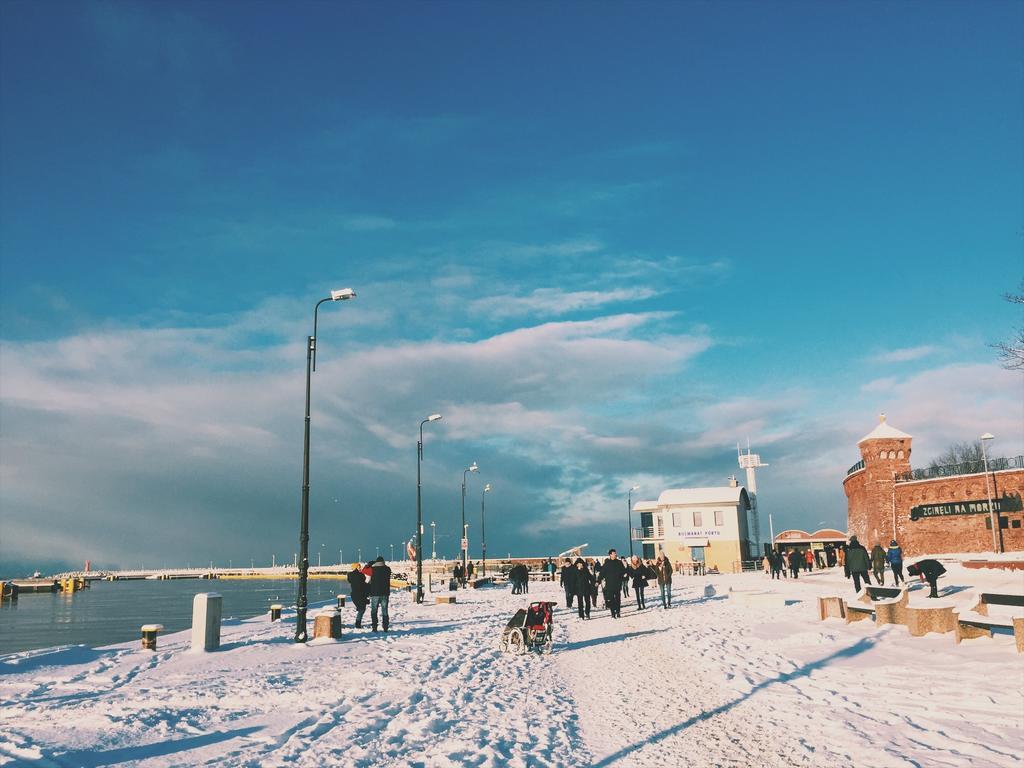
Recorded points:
886,606
978,623
831,606
935,618
870,593
757,597
444,600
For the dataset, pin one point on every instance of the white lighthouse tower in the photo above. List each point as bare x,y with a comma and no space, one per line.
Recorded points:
751,462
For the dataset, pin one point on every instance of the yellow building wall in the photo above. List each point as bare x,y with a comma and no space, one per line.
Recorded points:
724,555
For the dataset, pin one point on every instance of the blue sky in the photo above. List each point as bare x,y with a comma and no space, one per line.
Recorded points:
607,241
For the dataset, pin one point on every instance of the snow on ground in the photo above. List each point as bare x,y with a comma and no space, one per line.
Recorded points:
707,683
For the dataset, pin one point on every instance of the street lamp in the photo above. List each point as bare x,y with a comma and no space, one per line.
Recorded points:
988,489
392,553
300,603
433,542
483,537
471,468
419,509
629,517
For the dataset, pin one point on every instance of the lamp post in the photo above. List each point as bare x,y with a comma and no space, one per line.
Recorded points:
392,553
300,603
419,509
483,536
433,541
629,517
988,489
471,468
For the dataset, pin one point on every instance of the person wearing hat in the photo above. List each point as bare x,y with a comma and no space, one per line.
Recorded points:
360,593
380,592
895,557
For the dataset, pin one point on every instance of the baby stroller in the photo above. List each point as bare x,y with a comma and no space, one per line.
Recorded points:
529,629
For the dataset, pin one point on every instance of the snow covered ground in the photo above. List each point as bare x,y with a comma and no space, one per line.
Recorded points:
707,683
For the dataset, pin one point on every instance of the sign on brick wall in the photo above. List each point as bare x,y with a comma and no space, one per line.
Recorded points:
1004,504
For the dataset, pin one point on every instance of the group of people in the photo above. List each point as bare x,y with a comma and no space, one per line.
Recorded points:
858,561
581,582
462,574
519,575
777,563
371,584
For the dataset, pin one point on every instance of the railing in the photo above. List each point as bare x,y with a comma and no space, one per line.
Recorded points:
648,532
856,467
964,468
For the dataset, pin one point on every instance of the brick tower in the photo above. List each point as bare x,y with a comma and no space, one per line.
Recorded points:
871,489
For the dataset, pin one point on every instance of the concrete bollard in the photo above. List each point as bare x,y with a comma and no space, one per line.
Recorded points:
327,624
709,590
149,633
206,612
275,612
341,601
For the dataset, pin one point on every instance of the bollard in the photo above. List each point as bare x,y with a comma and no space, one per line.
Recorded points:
149,633
327,624
206,612
275,612
341,601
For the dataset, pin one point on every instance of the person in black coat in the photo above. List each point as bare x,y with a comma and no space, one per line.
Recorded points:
613,573
582,586
928,570
360,592
565,578
380,591
794,564
638,574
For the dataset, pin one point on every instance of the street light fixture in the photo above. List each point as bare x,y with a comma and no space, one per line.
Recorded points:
988,490
300,603
433,541
629,517
419,509
483,536
464,545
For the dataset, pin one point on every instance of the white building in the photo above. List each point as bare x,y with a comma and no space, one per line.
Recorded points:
697,525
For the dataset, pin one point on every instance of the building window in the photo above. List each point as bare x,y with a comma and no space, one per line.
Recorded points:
677,520
1015,523
892,454
698,519
719,517
697,553
1004,522
899,454
881,454
648,551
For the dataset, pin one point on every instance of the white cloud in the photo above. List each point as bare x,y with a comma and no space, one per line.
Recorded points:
554,301
906,354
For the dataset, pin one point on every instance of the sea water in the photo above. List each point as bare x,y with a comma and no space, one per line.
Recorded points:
112,611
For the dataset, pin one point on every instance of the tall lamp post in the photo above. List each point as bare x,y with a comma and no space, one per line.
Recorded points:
419,510
483,537
471,468
629,517
433,541
988,489
300,603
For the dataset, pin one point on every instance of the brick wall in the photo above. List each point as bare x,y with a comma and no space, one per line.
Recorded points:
873,496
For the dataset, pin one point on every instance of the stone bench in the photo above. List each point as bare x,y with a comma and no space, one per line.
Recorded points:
444,600
871,594
757,597
978,623
149,633
831,606
938,618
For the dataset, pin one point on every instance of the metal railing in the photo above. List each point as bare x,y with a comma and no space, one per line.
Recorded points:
856,467
648,532
964,468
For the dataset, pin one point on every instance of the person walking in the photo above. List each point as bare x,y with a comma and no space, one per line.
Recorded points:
775,562
629,575
469,570
613,573
895,557
663,569
360,592
380,592
565,578
809,560
878,563
582,584
794,563
638,574
928,570
766,565
856,563
457,574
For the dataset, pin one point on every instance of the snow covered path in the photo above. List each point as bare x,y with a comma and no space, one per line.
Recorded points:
707,683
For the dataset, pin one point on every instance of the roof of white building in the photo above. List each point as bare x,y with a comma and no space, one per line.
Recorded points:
689,496
645,506
882,432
